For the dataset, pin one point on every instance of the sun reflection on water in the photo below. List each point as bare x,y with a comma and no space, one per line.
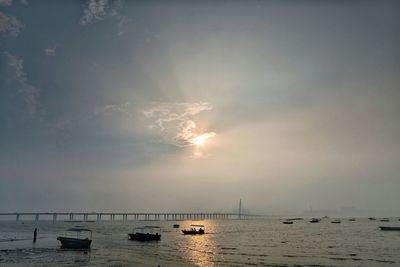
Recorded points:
201,250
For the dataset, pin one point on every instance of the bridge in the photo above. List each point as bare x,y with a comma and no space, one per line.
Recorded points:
124,216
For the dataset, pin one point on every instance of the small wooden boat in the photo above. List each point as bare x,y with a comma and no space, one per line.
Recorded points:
287,222
389,228
176,225
76,238
146,233
384,220
336,221
315,220
372,219
352,220
195,229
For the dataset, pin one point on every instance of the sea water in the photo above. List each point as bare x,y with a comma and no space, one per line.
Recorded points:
226,243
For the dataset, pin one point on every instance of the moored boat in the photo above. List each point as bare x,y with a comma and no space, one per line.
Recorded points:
384,220
390,228
336,221
76,238
176,225
315,220
195,229
146,233
372,219
287,222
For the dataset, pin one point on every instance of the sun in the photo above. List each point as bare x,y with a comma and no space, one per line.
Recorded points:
199,140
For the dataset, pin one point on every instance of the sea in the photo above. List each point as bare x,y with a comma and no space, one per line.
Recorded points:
266,242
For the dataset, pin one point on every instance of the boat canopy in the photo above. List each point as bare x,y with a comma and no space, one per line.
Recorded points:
147,229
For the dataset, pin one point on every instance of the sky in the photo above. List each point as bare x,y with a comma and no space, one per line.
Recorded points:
155,106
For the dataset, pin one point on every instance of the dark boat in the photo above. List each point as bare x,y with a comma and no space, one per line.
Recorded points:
315,220
352,220
371,219
287,222
384,220
389,228
336,221
176,226
146,233
195,229
76,238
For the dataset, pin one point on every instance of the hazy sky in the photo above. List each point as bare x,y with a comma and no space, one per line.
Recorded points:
191,105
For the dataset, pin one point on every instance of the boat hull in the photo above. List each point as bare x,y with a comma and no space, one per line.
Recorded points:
144,237
389,228
74,243
190,232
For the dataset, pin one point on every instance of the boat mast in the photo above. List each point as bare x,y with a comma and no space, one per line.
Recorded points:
240,209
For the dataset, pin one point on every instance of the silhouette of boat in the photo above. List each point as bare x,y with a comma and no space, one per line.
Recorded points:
287,222
336,221
76,238
195,229
352,220
295,219
389,228
372,219
315,220
384,220
146,233
176,226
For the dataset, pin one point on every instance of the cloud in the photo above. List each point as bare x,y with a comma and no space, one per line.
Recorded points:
99,9
122,21
122,109
9,24
29,93
175,121
5,2
50,51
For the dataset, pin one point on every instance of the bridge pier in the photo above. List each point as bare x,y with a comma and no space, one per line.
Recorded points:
17,217
37,217
54,217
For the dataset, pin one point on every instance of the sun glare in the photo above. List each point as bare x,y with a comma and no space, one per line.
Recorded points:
199,140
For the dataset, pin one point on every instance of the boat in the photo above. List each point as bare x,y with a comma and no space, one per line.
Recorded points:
384,220
287,222
75,238
389,228
372,219
146,233
336,221
352,220
315,220
295,219
195,229
176,226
